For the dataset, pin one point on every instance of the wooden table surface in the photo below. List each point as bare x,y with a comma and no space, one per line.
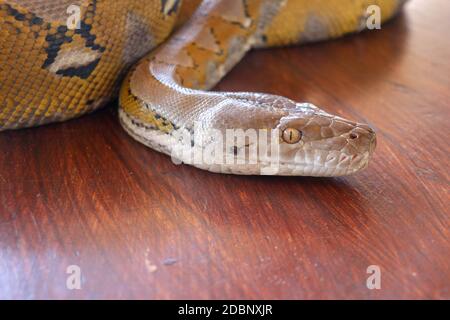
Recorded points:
83,193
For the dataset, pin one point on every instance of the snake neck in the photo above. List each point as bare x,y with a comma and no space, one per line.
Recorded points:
173,81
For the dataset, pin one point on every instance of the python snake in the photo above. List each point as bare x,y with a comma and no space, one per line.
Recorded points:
51,72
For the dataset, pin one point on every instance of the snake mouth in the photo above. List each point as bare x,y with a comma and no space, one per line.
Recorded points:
345,165
294,168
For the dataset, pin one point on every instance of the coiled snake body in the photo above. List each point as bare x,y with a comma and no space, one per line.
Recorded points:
50,72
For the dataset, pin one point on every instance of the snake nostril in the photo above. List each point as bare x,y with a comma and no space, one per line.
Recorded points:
354,136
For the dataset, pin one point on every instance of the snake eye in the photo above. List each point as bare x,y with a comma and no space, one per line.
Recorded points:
291,135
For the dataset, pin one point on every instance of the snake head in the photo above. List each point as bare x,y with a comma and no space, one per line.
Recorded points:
304,140
315,143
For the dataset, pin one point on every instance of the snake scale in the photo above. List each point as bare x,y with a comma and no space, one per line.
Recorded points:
163,57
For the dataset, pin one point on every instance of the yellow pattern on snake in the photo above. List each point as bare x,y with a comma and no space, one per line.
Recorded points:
50,73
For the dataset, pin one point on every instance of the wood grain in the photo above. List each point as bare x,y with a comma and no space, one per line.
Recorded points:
83,193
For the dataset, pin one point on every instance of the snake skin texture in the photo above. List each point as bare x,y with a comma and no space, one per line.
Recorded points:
50,73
